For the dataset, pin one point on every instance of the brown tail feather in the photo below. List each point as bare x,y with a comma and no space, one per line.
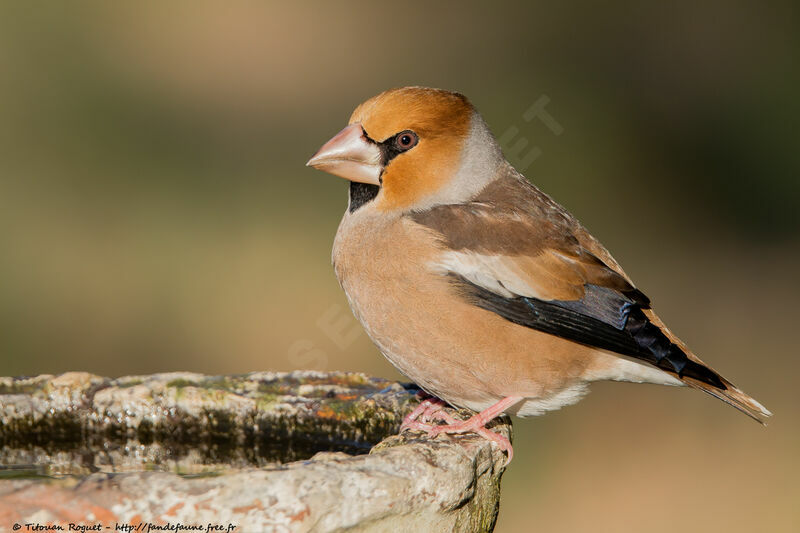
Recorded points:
727,392
734,397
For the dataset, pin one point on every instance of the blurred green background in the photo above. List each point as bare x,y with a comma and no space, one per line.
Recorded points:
155,213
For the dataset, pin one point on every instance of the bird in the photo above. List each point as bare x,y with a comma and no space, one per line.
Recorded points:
477,285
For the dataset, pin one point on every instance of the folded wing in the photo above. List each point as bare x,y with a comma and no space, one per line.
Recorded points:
530,267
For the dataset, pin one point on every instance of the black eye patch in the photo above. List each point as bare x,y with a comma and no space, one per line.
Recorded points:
397,144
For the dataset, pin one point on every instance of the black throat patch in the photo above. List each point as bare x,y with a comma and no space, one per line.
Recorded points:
361,193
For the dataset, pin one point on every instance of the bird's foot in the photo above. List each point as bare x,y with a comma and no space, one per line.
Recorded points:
424,412
502,442
433,409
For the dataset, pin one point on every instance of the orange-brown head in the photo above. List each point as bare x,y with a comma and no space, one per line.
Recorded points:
421,146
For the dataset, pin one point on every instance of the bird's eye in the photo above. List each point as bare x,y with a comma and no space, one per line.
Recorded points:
406,140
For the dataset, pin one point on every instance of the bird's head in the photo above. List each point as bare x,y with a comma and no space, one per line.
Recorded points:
422,147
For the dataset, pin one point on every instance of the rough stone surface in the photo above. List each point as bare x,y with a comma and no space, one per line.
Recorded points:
77,423
261,452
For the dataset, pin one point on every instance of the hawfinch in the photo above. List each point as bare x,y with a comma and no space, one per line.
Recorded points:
477,285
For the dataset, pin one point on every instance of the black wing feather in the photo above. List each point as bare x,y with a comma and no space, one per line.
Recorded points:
604,318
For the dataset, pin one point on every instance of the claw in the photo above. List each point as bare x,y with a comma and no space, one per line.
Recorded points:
424,412
433,409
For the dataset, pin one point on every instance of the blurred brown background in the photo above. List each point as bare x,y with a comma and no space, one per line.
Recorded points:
155,213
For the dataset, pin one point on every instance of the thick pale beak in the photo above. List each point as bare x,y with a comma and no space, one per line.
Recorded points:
350,155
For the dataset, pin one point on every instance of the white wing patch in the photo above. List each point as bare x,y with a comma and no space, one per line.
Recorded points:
512,276
485,271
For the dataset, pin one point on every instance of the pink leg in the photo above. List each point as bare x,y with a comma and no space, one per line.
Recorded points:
476,423
479,420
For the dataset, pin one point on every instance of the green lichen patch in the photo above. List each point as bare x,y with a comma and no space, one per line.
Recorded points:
22,385
128,383
32,472
266,401
14,388
180,383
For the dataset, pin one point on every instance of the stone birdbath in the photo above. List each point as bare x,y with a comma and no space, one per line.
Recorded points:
299,451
